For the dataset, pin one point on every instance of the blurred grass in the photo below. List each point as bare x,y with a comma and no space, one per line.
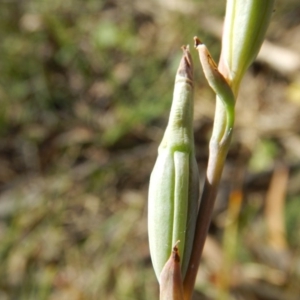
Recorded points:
85,89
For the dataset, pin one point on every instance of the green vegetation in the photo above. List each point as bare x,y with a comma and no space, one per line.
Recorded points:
85,89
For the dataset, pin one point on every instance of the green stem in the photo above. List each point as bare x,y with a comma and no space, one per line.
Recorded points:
218,148
217,156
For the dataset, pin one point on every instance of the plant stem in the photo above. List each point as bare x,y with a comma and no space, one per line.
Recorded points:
218,148
245,26
217,156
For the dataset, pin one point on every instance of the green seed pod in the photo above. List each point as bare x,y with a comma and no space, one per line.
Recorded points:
174,183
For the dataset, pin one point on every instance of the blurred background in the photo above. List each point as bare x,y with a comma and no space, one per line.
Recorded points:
85,91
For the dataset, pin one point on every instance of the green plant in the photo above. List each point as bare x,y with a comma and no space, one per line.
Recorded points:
173,184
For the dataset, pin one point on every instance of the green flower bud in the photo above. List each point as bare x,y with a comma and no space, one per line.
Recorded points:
174,182
246,23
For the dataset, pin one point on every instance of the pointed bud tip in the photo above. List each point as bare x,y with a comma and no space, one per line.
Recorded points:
185,68
170,278
197,42
175,252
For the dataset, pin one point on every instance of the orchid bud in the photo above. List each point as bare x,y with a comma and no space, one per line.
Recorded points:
246,23
174,183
